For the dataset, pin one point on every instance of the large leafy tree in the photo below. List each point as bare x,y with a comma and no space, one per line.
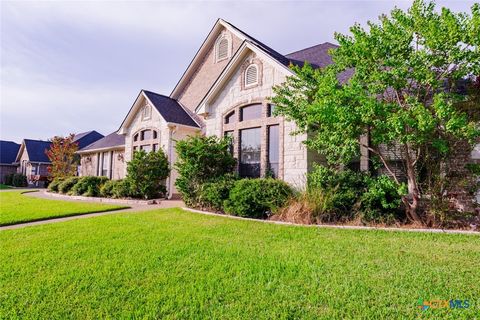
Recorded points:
62,156
395,82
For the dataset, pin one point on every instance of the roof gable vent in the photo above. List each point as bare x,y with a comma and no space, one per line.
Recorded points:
251,75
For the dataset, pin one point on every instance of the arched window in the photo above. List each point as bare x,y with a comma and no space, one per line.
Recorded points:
222,49
251,75
147,140
146,112
230,118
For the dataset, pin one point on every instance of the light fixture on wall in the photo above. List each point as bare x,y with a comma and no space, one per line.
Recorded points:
120,157
88,159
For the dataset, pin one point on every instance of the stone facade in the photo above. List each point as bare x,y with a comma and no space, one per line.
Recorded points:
90,164
293,153
207,72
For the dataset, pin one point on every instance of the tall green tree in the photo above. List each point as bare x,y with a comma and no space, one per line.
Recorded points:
395,82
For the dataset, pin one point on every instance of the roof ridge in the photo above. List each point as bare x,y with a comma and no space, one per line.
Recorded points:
37,140
159,94
326,42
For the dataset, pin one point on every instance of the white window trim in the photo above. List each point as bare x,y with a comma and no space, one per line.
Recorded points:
248,85
149,113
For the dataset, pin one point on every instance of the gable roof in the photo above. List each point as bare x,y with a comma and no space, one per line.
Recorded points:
86,138
317,56
113,140
170,109
8,151
35,150
236,60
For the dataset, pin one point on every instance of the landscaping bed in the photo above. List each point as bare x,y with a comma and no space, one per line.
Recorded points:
175,264
18,208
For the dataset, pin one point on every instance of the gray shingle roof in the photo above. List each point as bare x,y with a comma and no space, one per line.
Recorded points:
170,109
8,151
109,141
36,150
317,55
86,138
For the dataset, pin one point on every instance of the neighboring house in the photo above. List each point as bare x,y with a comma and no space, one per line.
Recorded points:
85,138
224,91
8,153
32,160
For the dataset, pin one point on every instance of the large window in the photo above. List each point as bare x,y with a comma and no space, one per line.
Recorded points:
230,134
250,149
273,150
146,140
105,163
250,112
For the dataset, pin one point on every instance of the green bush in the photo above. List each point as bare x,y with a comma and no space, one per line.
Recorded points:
8,179
106,190
257,198
53,186
116,189
200,160
66,185
346,186
146,174
19,180
211,195
381,201
89,186
122,189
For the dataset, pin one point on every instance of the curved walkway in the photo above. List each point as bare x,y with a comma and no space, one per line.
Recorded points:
133,208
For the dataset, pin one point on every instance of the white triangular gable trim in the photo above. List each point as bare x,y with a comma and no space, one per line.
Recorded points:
134,110
202,51
230,69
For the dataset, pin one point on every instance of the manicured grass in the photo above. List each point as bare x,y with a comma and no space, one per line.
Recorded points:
16,208
4,186
175,264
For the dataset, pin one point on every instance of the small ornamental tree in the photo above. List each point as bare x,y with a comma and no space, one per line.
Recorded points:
62,157
395,83
201,159
146,173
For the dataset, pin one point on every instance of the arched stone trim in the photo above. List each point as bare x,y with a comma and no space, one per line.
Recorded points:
264,122
259,65
152,142
218,49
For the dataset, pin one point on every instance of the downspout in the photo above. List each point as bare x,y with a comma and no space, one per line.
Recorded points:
171,131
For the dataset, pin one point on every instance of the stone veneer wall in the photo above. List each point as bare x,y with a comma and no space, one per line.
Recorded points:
89,163
206,74
293,153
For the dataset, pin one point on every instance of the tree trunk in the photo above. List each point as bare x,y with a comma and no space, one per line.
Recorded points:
411,201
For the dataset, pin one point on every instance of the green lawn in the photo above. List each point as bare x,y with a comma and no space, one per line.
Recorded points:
4,186
179,265
16,208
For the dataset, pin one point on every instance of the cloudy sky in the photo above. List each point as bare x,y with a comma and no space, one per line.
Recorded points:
78,66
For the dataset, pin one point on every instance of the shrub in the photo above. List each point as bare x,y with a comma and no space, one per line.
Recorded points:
121,189
53,186
201,159
381,201
89,186
146,173
257,198
107,189
211,195
67,184
346,186
19,180
8,179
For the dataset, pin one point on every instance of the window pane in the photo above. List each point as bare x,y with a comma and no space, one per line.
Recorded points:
146,148
273,149
250,152
230,118
251,112
230,134
135,137
155,147
271,109
146,134
105,161
155,135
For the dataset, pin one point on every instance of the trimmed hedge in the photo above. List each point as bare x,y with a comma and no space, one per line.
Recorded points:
67,185
212,195
89,186
53,186
257,198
